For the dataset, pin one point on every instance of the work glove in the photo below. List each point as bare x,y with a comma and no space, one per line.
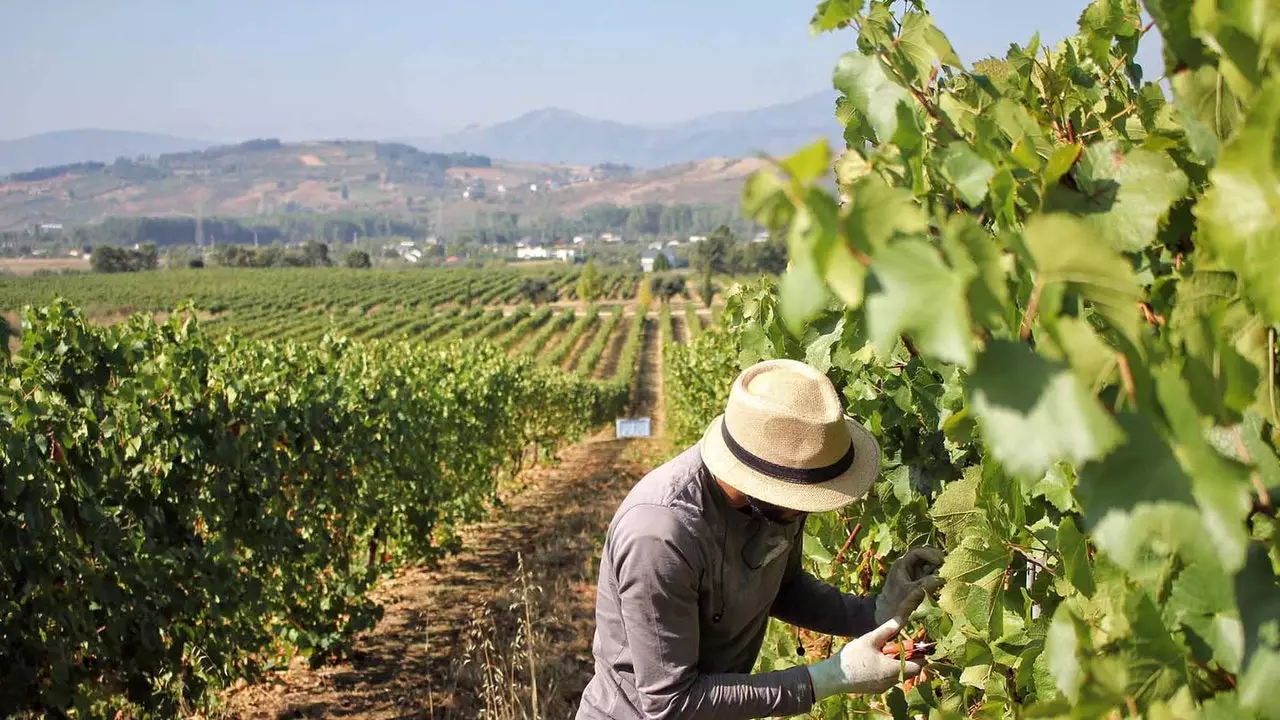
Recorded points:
861,666
912,577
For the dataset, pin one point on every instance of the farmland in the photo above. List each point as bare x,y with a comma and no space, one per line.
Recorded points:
306,304
347,379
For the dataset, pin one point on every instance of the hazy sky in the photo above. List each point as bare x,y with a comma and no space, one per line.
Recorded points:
298,69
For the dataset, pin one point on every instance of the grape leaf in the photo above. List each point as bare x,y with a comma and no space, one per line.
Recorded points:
1066,251
870,91
1122,197
956,505
1220,485
1075,556
833,14
1138,501
972,252
1033,411
1201,597
1240,213
915,293
1258,597
1061,653
967,172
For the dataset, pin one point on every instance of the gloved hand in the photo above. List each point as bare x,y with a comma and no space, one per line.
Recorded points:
909,580
861,667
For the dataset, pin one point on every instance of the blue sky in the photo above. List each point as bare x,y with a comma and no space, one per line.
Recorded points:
297,69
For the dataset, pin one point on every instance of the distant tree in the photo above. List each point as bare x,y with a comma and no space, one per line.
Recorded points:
769,257
706,287
537,290
346,193
111,259
195,263
359,259
666,287
661,263
635,222
590,284
718,253
316,254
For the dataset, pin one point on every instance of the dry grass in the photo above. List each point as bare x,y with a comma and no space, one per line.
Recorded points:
28,266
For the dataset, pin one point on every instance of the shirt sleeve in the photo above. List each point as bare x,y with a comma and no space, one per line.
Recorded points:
807,602
656,562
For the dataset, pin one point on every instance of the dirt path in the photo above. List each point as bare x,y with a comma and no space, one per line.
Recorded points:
609,363
454,640
680,328
580,345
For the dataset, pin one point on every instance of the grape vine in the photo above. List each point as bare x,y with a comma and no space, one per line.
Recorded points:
1053,293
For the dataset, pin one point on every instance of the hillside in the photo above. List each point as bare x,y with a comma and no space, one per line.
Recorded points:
73,146
562,136
268,178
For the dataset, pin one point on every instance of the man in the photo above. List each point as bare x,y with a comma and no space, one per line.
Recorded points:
707,547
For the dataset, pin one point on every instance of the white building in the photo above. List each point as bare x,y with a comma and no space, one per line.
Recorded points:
610,237
646,260
578,239
760,237
533,252
566,254
697,238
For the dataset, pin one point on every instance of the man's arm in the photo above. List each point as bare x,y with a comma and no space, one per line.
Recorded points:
807,602
657,580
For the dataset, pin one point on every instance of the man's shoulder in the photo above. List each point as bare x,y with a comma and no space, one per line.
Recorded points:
667,501
676,484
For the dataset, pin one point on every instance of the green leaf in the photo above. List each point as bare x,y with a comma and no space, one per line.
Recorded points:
1240,213
919,42
956,505
1122,197
1201,598
1067,251
818,353
809,163
764,199
1258,596
915,293
1062,653
1060,163
1260,453
870,91
1056,487
974,254
1138,501
1075,556
975,574
834,14
803,295
968,172
814,550
878,213
1034,412
1220,486
1092,360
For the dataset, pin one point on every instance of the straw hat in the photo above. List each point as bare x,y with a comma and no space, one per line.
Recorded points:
784,439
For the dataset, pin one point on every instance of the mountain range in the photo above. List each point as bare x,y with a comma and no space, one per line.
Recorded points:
72,146
550,135
562,136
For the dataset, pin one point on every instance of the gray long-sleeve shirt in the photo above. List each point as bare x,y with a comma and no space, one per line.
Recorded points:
687,585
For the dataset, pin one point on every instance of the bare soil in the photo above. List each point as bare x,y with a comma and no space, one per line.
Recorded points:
608,366
583,340
28,266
